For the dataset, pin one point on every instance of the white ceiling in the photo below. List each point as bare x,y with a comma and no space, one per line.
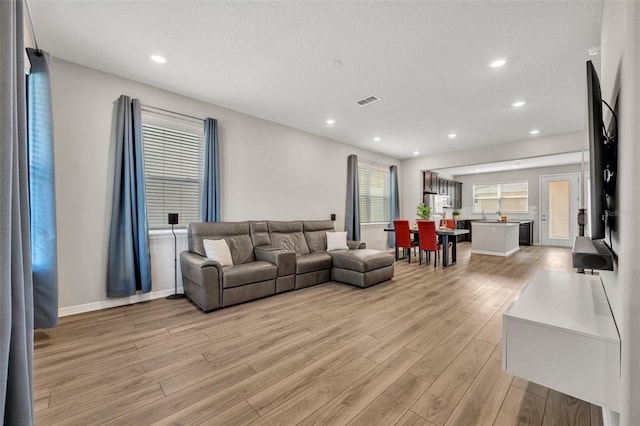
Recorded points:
428,61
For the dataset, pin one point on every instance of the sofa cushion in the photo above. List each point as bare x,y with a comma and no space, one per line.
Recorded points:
288,236
315,232
363,260
241,249
312,262
260,233
248,273
218,250
337,241
235,233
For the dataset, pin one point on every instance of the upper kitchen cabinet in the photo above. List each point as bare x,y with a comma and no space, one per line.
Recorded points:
430,182
456,198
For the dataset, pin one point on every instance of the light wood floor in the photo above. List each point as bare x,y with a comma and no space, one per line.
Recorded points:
422,349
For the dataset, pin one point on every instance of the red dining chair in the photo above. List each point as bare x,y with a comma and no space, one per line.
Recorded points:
428,240
403,237
449,223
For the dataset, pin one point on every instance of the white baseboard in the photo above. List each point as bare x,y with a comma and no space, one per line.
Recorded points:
112,303
495,253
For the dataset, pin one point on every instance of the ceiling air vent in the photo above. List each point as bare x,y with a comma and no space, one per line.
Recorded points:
368,100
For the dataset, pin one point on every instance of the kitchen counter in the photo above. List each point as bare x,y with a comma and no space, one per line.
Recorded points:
494,237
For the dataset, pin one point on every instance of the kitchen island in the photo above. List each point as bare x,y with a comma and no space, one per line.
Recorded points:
495,238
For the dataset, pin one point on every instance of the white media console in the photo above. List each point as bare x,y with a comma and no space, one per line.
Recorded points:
560,333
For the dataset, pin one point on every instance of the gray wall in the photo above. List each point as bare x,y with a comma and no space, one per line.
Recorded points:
268,171
530,175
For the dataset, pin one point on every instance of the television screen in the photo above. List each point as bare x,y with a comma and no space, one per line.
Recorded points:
597,140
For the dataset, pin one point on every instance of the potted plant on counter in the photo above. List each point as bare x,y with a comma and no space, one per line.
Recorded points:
456,214
502,218
423,212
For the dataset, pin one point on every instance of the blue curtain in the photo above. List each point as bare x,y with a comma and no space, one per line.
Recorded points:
352,218
42,192
129,262
394,199
210,194
16,282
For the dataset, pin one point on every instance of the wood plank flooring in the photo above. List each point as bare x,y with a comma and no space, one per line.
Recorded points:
422,349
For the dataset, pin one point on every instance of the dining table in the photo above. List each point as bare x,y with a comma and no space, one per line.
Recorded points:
448,236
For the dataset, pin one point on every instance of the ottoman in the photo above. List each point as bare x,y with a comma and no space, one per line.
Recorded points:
362,268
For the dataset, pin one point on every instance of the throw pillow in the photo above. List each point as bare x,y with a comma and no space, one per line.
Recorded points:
337,241
218,250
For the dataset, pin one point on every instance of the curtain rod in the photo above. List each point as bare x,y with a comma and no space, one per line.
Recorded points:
33,28
150,108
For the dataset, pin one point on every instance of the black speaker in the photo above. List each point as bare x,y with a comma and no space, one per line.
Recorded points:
172,218
333,216
591,254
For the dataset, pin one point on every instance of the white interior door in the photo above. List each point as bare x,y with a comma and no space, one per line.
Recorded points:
559,200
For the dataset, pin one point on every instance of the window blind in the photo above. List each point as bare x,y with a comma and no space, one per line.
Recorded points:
374,193
173,174
510,197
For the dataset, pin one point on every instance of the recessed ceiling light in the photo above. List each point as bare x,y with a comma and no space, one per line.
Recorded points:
452,135
594,51
477,170
377,139
518,104
534,132
330,121
497,63
416,153
158,59
515,166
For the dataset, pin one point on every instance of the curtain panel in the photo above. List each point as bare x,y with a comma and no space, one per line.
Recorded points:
210,194
42,192
16,283
394,204
352,217
129,261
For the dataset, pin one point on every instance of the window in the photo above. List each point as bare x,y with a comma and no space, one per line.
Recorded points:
373,181
173,169
511,197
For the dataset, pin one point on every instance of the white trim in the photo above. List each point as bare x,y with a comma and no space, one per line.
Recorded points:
496,253
539,212
112,303
158,234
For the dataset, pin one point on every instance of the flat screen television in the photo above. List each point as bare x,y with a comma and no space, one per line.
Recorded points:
597,138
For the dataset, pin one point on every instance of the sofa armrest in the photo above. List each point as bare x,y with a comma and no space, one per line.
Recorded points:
356,244
205,274
285,260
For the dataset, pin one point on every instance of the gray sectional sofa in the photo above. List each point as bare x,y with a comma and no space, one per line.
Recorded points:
271,257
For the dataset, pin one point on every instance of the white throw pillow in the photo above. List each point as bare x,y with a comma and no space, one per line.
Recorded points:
337,241
218,250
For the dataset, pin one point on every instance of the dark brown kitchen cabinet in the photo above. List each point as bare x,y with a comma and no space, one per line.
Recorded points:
430,182
456,200
462,224
526,233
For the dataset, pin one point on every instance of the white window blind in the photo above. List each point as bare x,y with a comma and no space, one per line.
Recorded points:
173,172
373,181
510,197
